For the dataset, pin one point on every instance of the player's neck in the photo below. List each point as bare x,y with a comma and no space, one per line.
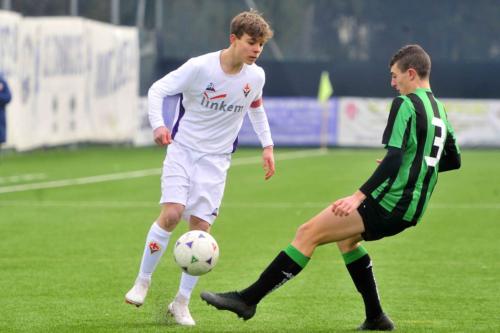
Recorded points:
229,63
421,84
424,84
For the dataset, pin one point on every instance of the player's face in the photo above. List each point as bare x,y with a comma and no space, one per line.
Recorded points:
400,81
248,48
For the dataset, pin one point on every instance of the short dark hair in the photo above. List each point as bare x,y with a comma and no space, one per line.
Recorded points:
412,56
252,23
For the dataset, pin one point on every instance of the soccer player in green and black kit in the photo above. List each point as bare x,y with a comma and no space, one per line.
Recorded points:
420,142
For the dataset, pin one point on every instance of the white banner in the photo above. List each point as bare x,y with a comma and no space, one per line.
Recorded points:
476,122
73,80
362,121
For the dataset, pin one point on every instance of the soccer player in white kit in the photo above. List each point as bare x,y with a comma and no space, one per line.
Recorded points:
216,91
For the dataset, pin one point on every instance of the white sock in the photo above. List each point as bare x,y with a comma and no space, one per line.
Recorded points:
188,282
156,243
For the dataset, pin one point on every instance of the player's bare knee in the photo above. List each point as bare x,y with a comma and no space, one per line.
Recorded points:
195,223
304,234
348,245
169,219
304,240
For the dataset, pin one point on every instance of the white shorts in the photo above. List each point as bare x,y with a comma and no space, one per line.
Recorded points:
195,180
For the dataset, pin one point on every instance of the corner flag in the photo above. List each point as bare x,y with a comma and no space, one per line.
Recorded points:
325,89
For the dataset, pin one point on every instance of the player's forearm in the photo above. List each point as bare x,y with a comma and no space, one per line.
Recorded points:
155,104
260,125
450,161
388,168
169,85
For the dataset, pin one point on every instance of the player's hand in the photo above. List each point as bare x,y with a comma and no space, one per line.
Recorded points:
378,160
162,136
268,162
347,205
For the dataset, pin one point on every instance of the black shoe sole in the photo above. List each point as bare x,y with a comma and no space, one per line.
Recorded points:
207,297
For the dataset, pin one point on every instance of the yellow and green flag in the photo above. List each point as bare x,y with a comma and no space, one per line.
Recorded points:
325,89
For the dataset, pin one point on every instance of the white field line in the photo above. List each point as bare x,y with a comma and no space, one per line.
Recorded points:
228,205
22,178
145,173
79,181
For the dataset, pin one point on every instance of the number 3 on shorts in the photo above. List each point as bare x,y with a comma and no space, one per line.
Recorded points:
438,142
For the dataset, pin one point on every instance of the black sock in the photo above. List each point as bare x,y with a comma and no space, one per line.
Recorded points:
362,276
281,269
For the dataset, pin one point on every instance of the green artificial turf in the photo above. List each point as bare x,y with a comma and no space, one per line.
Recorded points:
69,254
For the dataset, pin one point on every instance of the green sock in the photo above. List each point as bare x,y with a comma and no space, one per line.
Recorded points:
297,256
354,254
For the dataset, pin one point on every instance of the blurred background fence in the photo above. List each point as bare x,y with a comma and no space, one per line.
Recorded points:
78,80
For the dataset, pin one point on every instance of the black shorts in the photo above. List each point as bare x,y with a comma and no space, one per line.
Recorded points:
380,223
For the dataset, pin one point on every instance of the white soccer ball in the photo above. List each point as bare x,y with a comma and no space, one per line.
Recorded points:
196,252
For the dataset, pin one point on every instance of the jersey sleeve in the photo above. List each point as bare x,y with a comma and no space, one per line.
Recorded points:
395,133
258,118
175,82
452,136
450,158
388,168
260,124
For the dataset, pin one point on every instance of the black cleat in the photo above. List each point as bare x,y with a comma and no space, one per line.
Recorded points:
381,323
230,301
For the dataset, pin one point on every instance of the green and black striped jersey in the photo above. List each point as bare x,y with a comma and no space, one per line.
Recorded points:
418,125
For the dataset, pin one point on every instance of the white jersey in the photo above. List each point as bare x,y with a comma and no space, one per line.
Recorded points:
213,104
